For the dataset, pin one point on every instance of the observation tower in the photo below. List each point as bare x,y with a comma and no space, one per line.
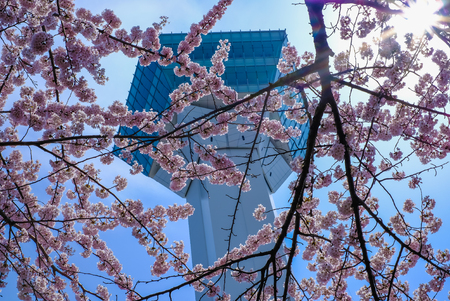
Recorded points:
251,66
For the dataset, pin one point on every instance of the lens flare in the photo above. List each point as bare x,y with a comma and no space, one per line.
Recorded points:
419,17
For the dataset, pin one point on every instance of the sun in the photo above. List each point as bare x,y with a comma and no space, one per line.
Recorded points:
419,17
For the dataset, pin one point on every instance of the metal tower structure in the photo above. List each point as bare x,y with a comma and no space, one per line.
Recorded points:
252,63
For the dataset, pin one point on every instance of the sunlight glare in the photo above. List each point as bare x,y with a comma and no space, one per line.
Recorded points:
419,17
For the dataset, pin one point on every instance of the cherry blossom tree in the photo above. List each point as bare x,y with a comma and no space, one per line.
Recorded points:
378,87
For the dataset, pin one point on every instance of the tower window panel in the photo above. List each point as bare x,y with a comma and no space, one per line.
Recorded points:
141,100
238,52
258,51
230,70
270,61
138,73
132,130
130,102
261,69
277,53
155,81
163,90
226,35
145,82
147,168
268,53
157,107
231,80
208,53
179,80
264,82
135,82
241,77
259,61
125,131
239,61
175,80
137,106
251,77
234,36
152,91
140,158
253,87
246,36
163,86
249,61
171,78
207,39
161,100
143,89
197,54
158,72
148,72
267,46
276,35
263,78
133,90
248,48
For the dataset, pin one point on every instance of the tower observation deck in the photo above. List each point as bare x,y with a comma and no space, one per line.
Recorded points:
251,66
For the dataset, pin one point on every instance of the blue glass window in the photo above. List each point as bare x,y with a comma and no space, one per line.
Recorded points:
238,52
145,82
138,73
133,90
152,92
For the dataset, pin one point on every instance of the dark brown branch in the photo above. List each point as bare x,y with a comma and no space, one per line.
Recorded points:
291,255
356,201
323,51
391,283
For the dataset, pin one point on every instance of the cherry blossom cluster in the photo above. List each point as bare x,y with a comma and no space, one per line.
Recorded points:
252,244
63,46
290,59
94,217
